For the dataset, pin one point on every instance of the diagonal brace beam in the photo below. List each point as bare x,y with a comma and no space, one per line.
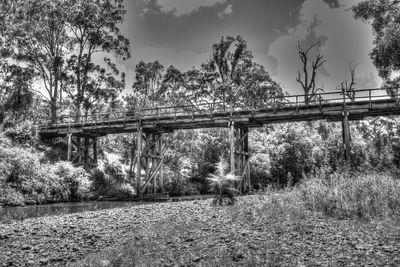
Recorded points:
151,177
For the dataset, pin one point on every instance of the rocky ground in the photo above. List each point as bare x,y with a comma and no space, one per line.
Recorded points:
253,232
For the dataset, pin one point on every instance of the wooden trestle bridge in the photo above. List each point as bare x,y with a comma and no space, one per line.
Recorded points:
150,123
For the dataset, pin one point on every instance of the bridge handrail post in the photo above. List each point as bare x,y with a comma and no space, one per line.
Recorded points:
95,118
397,96
369,97
69,122
231,109
344,99
174,113
320,100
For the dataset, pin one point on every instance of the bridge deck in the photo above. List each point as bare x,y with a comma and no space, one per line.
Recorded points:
328,106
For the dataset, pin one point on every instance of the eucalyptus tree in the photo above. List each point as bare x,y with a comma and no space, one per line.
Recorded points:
173,90
148,81
222,69
16,93
37,39
231,75
7,9
384,16
93,29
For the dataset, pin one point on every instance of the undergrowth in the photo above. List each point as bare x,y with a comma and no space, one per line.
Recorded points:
349,195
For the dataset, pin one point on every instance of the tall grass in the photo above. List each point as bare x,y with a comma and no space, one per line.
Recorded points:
346,195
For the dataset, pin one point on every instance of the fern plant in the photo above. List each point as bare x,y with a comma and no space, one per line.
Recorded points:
222,185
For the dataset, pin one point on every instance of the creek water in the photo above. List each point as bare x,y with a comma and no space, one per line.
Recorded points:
9,214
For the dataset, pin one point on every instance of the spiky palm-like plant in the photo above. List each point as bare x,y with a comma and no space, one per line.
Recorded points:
222,184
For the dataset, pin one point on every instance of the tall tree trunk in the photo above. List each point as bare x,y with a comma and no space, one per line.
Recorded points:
53,109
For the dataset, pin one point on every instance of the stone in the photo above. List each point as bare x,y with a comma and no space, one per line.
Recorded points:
105,263
25,247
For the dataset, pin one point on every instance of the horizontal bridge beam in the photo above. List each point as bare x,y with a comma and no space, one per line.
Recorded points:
245,118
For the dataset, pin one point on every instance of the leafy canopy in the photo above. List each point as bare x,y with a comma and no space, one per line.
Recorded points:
384,16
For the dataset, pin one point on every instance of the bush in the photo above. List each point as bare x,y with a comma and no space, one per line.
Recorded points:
177,184
18,166
259,173
110,179
346,195
76,179
11,197
55,188
24,133
25,181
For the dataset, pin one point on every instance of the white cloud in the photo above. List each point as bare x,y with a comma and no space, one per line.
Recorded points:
183,7
347,40
226,12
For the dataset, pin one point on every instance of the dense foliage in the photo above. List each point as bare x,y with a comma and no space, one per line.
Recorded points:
383,15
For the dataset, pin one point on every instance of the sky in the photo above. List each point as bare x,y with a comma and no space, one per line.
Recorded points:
181,33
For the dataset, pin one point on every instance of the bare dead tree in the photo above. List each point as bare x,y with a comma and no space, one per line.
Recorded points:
306,77
348,88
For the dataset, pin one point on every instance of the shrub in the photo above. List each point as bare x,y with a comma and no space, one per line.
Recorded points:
18,166
110,179
24,133
259,174
11,197
76,179
99,180
55,190
114,169
179,185
346,195
221,184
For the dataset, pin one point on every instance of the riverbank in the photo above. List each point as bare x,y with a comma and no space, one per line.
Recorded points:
259,230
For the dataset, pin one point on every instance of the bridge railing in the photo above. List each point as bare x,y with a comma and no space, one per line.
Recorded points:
275,103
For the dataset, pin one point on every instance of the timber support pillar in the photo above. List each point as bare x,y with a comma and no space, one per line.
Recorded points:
240,155
346,135
149,162
82,149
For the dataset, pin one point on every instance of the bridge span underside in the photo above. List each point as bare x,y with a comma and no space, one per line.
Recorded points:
150,124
